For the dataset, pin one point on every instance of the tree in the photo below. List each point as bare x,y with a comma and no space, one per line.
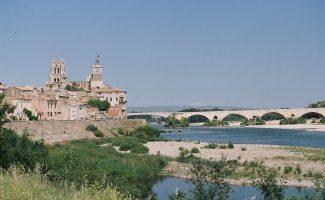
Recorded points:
101,105
5,110
267,183
30,115
15,149
209,179
73,87
172,122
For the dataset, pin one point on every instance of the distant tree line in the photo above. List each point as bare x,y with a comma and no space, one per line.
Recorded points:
318,104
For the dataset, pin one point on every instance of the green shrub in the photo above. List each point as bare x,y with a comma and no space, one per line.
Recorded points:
139,149
102,105
298,170
116,142
230,145
122,131
73,87
92,128
172,122
184,152
30,115
212,146
322,120
146,133
125,147
287,169
195,150
98,133
243,148
15,149
222,146
94,162
299,120
216,123
95,130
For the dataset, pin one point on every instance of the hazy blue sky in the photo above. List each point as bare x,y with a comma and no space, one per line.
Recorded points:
243,53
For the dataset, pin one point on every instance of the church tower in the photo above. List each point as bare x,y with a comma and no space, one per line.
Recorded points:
58,75
96,76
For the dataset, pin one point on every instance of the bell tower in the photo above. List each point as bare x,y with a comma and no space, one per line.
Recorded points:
58,75
96,76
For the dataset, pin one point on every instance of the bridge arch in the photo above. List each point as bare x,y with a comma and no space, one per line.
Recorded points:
198,118
234,117
269,116
310,115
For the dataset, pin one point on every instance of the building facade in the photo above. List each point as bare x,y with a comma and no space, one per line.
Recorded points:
62,99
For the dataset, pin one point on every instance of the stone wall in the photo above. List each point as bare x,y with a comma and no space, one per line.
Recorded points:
63,131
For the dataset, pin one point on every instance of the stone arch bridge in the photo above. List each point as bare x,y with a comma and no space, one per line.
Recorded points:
248,114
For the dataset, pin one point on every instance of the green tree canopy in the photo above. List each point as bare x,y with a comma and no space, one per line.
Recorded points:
102,105
74,87
5,110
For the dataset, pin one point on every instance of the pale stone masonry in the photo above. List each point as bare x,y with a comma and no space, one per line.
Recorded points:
55,102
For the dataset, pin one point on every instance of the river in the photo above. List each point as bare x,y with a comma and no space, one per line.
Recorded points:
288,137
303,138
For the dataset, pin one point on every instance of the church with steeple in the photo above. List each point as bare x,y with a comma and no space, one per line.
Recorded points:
93,87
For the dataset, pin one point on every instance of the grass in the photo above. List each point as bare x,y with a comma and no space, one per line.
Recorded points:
16,184
313,154
93,162
135,145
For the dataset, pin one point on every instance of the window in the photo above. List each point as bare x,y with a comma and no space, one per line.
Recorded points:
116,99
111,99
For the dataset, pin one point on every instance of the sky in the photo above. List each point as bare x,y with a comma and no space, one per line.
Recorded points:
252,53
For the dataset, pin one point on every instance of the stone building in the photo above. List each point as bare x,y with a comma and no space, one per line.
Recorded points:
57,101
58,76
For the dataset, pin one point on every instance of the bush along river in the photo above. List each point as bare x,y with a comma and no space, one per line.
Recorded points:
301,138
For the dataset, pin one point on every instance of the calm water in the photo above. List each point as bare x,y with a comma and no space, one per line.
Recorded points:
168,185
250,136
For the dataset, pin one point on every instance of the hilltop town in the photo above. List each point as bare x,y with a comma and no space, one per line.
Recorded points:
62,99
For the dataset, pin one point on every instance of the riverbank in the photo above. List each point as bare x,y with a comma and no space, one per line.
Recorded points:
310,160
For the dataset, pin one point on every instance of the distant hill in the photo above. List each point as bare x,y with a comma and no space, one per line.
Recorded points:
178,108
